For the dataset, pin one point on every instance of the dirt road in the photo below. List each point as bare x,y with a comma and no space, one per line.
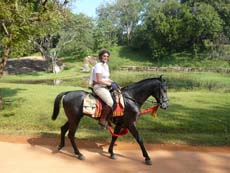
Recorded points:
23,154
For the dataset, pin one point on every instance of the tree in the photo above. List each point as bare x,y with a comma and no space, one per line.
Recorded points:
23,21
105,34
106,30
168,26
76,35
207,25
222,7
121,17
127,14
171,26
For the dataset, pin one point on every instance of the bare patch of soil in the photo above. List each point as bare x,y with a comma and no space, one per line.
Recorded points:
38,154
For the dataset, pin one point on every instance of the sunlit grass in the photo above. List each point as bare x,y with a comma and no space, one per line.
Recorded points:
198,112
193,117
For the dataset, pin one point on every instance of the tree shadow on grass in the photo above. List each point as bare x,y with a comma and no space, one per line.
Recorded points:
9,100
8,92
189,125
138,56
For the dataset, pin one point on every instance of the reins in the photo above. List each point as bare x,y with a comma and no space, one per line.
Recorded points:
153,111
121,133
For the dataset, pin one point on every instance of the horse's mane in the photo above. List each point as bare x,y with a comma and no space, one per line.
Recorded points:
139,83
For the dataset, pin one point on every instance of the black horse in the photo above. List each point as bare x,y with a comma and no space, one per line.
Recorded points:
134,97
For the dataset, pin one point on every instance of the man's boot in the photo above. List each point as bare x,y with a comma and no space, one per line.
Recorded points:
106,110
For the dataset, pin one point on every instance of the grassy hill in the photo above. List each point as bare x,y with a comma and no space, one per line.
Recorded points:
123,56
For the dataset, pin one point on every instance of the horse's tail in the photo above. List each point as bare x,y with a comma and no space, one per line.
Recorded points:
57,105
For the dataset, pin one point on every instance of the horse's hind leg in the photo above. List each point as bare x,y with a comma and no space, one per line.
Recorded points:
114,138
64,129
72,130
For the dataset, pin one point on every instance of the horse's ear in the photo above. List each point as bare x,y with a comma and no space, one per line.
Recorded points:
161,77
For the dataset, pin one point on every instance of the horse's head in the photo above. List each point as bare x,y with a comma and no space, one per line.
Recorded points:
140,91
161,94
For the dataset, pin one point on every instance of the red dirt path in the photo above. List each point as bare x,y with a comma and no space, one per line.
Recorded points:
22,154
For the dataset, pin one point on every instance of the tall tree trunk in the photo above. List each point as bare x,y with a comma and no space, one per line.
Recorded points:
5,57
44,45
44,49
129,30
1,102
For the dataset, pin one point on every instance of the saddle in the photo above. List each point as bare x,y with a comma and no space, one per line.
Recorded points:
93,105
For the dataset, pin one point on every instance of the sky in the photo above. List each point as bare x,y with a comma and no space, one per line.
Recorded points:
88,7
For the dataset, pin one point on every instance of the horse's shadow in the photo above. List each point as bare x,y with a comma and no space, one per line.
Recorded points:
51,143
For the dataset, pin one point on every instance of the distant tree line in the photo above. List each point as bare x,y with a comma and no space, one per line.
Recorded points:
158,27
163,26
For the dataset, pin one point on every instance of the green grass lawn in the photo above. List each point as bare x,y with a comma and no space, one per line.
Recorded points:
198,112
193,117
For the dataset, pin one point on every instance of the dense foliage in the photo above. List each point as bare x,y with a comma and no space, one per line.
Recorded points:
154,26
76,36
22,22
172,26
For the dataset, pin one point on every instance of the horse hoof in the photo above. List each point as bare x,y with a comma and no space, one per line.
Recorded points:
148,162
81,157
60,147
114,157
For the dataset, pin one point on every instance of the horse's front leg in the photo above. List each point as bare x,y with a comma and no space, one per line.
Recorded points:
114,138
134,132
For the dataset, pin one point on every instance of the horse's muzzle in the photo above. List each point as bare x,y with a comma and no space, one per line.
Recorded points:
164,105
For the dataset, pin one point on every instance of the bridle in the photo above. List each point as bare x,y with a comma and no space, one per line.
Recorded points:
163,100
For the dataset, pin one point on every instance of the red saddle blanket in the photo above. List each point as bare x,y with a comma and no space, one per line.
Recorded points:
93,106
